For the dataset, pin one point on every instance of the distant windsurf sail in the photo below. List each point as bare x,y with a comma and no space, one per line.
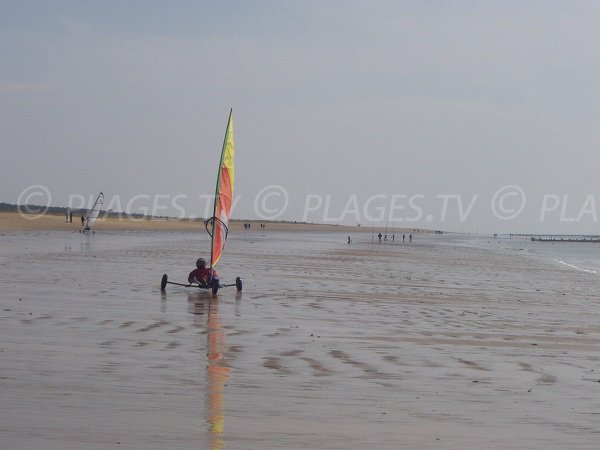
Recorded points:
217,225
94,212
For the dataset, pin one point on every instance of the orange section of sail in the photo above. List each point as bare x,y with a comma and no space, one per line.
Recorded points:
224,195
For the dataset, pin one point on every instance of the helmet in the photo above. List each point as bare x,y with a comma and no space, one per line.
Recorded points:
200,263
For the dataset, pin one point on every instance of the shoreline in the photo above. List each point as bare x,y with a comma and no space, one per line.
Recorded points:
16,222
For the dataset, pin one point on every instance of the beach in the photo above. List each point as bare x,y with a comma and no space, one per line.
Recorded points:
448,342
14,221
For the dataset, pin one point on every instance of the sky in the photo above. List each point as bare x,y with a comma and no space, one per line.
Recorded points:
466,116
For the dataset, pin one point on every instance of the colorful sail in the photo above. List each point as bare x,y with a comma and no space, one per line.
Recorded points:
94,212
223,197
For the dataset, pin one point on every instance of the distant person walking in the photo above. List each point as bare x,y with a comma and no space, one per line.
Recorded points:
379,236
82,220
71,217
410,237
403,237
349,240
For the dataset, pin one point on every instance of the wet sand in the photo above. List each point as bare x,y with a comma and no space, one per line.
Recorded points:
446,343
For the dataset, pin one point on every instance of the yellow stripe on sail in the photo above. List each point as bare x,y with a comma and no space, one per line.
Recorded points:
229,154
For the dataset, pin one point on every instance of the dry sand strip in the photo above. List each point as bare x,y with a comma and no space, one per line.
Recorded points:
13,221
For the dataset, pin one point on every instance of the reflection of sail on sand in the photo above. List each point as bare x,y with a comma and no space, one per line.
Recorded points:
218,374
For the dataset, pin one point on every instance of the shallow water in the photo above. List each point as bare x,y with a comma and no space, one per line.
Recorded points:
448,342
582,256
